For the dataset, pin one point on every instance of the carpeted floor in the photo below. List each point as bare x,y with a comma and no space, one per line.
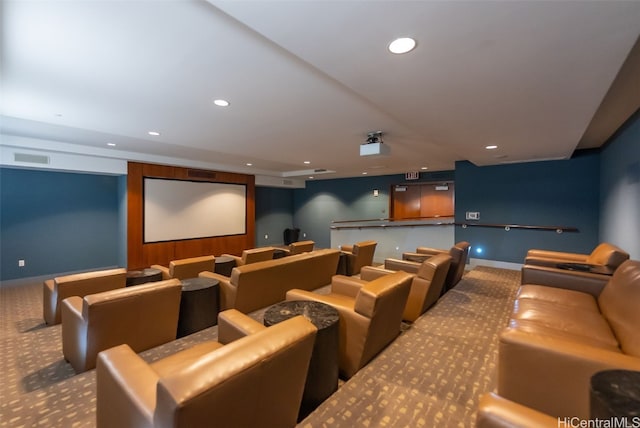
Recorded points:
430,376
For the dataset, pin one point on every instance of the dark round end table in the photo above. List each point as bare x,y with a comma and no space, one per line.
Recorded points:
137,277
615,393
224,265
322,377
199,305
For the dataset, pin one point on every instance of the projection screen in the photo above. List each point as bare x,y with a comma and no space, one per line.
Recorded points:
179,209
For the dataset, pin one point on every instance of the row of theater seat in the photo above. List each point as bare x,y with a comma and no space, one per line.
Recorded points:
371,308
575,315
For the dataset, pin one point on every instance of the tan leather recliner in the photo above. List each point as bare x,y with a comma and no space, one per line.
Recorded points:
370,315
426,285
459,254
254,381
604,254
300,247
79,284
253,255
142,317
358,255
187,268
558,338
497,412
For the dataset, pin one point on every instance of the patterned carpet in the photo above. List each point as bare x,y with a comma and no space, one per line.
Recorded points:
431,376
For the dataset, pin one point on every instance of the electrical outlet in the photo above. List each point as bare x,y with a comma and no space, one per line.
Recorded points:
266,236
304,235
20,263
472,215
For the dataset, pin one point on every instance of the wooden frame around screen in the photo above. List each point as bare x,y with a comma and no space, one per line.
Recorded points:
142,255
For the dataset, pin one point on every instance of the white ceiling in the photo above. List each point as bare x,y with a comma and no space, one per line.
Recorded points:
308,79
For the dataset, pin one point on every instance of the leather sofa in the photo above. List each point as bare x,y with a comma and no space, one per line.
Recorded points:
426,285
605,254
187,268
459,254
256,285
252,376
370,315
558,338
80,284
359,255
253,255
498,412
143,317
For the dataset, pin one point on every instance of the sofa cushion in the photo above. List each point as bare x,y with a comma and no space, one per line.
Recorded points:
533,327
619,303
573,320
560,296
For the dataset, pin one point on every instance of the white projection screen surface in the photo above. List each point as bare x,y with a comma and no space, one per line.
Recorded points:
177,209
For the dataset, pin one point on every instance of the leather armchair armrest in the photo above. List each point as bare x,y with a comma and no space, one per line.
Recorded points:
585,282
163,269
74,333
369,273
558,255
49,301
346,248
431,251
551,374
415,257
346,285
233,325
542,261
497,412
403,265
126,389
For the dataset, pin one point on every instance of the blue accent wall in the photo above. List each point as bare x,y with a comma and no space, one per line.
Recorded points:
274,214
57,222
550,193
620,188
325,201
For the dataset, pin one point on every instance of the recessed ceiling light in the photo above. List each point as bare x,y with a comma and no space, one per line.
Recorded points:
111,144
424,167
491,147
154,133
249,164
307,162
221,103
402,45
365,173
311,177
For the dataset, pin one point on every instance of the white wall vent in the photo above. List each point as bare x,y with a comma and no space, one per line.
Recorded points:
30,158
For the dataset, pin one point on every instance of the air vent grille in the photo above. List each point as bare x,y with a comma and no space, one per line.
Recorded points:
30,158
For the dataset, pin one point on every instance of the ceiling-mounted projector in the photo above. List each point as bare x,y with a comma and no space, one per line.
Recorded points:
374,145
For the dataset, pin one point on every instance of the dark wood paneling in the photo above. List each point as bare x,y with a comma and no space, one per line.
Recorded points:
405,203
436,203
142,255
421,200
